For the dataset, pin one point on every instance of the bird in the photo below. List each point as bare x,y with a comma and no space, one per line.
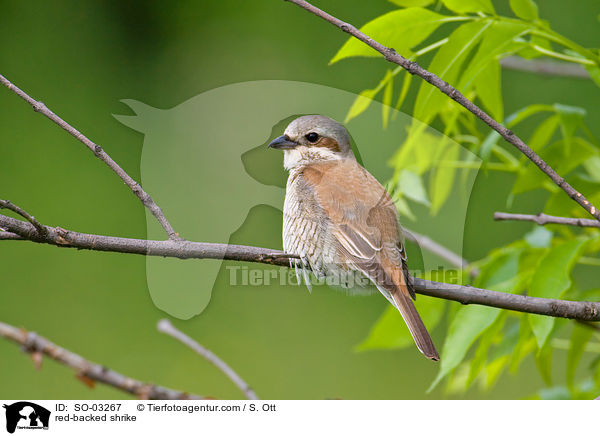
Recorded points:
341,221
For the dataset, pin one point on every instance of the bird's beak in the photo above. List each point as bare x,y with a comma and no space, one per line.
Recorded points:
283,143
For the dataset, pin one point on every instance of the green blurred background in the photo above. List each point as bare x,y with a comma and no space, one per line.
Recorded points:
81,59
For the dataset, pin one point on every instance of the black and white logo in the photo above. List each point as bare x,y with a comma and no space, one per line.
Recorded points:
26,415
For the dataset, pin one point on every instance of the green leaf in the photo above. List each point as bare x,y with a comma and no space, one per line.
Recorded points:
525,9
411,3
446,64
509,341
543,361
501,272
388,94
528,263
457,381
489,89
592,166
365,98
594,72
543,133
443,177
468,324
557,156
420,150
551,280
486,146
493,371
498,42
560,205
584,150
522,114
462,6
390,330
528,52
404,91
412,187
539,237
361,103
597,372
489,337
555,393
401,29
571,118
579,337
525,345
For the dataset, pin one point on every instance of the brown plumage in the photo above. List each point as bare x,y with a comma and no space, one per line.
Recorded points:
341,221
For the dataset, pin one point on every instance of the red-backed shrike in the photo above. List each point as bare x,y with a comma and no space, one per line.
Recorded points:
340,220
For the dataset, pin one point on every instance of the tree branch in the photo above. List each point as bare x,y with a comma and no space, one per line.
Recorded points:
5,204
413,68
135,187
8,236
548,68
86,370
168,248
578,310
542,219
585,311
165,326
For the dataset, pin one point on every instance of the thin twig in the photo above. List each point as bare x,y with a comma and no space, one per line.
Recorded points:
545,67
86,370
8,236
425,242
5,204
585,311
542,219
165,326
135,187
413,68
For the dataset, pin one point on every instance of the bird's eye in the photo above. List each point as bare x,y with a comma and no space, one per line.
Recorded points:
312,137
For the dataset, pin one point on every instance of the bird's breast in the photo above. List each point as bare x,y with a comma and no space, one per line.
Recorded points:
307,229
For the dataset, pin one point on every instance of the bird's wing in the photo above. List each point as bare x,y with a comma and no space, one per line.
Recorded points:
364,225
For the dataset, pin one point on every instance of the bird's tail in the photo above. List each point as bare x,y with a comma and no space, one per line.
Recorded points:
392,282
415,324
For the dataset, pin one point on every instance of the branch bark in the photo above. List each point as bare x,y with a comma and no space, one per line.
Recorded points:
8,236
413,68
547,68
5,204
135,187
584,311
165,326
33,343
542,219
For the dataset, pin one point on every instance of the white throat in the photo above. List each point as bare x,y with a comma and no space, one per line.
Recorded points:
302,155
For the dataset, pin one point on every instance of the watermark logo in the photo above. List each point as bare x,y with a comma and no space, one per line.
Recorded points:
206,162
25,415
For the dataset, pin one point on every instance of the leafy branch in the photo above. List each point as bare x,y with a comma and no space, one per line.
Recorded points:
470,56
413,68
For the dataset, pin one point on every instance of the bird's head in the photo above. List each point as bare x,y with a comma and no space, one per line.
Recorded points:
313,138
